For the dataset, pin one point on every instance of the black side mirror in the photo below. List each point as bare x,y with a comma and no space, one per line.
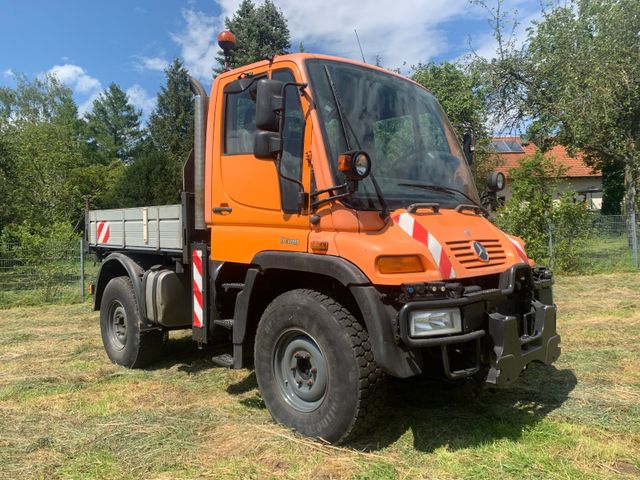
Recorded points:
468,146
267,144
269,105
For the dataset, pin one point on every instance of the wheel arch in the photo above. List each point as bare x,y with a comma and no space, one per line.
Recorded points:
273,273
116,265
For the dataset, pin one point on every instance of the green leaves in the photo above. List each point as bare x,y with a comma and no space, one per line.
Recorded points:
171,123
113,126
260,31
552,228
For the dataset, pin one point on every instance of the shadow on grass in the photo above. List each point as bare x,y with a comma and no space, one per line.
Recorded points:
437,412
185,354
440,413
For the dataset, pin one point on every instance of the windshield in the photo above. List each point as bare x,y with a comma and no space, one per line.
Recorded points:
401,126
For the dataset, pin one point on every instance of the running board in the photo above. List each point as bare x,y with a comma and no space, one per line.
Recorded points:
224,360
228,324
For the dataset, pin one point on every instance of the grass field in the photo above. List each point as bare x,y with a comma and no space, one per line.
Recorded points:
67,412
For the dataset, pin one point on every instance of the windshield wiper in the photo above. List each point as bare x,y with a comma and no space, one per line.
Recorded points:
344,123
440,188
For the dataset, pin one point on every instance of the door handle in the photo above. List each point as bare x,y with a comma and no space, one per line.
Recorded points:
222,209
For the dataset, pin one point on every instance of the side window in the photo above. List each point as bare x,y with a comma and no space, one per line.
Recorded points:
239,123
292,144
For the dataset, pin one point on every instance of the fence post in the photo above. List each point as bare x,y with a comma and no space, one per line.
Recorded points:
634,238
82,268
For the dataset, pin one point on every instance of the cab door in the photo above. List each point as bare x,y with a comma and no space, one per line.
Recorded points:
255,207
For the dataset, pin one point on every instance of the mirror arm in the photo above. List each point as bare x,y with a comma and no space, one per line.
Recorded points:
319,203
281,129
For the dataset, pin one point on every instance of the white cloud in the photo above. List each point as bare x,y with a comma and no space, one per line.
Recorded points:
408,31
140,99
401,31
157,64
8,73
87,105
76,78
198,43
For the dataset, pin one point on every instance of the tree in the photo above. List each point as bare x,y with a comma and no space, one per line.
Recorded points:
44,173
171,123
113,126
154,178
584,87
42,99
576,82
260,31
552,230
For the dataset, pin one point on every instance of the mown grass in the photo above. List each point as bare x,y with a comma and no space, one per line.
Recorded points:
602,254
67,412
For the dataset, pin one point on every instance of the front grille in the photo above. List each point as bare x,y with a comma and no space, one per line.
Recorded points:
464,253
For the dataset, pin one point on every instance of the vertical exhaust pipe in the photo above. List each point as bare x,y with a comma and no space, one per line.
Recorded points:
201,103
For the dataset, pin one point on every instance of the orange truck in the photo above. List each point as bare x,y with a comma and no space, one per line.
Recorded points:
330,235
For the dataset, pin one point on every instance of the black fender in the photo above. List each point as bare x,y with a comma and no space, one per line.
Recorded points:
114,265
378,320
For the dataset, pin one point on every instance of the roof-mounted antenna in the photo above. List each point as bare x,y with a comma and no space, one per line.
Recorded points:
359,45
227,42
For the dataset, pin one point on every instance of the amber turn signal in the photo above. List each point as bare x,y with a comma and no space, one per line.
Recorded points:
400,264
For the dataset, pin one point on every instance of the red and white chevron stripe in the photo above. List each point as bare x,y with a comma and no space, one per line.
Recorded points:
519,249
197,288
414,229
104,232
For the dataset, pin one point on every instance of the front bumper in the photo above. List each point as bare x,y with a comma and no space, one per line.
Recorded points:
504,329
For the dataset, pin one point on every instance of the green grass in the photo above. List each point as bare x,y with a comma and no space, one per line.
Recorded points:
605,254
67,412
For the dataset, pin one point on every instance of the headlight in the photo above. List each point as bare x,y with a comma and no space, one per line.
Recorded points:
424,323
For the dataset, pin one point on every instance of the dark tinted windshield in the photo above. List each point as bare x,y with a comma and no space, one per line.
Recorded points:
401,126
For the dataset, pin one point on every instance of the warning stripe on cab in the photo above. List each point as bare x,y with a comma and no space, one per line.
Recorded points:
415,230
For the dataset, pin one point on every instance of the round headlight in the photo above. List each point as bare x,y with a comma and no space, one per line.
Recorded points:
496,181
362,164
355,164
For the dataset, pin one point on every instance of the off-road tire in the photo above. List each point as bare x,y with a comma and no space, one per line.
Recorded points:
133,348
355,386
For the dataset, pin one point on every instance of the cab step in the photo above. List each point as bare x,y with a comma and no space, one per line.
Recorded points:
224,360
228,324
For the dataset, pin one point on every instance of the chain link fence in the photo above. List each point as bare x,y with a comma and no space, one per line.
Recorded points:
55,273
611,245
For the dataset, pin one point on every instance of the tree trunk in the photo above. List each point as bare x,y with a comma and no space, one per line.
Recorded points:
630,179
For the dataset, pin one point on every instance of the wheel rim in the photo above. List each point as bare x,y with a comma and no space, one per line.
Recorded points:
300,370
117,325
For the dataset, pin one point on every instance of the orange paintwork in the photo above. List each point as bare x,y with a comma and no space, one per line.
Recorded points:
250,187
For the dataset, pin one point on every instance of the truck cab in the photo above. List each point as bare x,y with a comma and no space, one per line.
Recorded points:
330,235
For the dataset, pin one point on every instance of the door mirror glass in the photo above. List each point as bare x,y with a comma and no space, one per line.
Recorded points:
269,105
267,144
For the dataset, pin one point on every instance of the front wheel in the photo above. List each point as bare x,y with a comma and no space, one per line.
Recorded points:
315,368
122,337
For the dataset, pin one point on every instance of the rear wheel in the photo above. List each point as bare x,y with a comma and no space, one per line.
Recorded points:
315,368
122,337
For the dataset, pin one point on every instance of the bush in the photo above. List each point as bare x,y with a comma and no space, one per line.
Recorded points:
554,230
46,256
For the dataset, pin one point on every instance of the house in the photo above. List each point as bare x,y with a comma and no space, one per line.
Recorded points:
577,176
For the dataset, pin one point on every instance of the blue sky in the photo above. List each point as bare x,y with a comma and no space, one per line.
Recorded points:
89,44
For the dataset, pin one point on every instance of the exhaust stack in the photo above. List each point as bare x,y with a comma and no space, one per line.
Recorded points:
201,102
